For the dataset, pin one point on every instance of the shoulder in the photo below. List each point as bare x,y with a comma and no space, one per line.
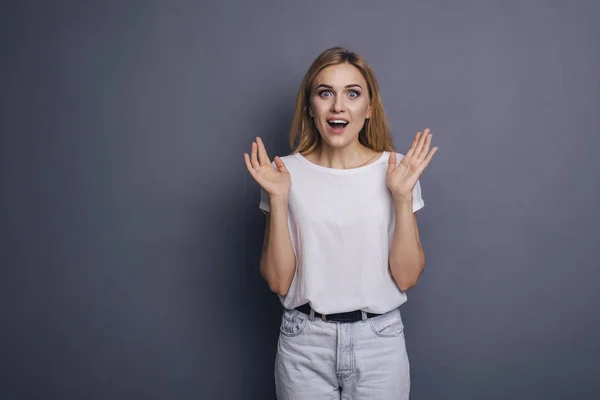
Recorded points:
289,157
291,161
399,156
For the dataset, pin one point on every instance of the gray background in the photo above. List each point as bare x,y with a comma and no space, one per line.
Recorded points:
131,231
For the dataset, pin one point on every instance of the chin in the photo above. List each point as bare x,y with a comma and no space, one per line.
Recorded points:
339,141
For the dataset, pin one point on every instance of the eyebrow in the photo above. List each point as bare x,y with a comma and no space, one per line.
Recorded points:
331,87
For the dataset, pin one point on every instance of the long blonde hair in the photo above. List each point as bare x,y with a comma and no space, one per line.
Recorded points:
304,136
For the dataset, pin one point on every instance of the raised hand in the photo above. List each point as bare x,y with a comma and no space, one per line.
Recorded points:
276,182
401,180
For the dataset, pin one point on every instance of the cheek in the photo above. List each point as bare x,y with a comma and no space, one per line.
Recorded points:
319,109
361,110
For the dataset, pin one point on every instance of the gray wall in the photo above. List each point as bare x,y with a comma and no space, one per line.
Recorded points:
131,231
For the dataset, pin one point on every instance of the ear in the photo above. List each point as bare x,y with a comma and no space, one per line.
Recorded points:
369,112
310,111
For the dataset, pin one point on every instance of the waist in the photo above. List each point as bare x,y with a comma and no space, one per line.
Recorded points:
349,316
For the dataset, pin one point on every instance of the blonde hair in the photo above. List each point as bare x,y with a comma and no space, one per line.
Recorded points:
304,136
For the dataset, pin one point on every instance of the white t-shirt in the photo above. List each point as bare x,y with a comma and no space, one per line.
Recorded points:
341,223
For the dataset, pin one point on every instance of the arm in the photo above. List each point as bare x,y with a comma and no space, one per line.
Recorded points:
407,259
278,260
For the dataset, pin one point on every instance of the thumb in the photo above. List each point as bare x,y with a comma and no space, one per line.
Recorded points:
392,162
280,165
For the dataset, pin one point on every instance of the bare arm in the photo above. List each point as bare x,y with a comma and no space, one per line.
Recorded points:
278,260
407,259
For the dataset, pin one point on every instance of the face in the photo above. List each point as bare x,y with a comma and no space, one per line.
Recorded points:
339,104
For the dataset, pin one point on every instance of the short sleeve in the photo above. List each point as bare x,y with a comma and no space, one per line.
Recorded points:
264,201
418,202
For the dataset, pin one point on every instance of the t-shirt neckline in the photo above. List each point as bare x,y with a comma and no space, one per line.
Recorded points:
338,170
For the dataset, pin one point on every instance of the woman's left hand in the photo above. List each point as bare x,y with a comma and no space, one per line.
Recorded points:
402,179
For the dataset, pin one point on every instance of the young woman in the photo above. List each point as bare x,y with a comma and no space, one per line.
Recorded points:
341,243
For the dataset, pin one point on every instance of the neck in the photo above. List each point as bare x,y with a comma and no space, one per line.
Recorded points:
352,156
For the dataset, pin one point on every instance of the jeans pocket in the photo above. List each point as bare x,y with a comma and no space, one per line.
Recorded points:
387,325
292,322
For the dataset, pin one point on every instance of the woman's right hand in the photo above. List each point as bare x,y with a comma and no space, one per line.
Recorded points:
276,182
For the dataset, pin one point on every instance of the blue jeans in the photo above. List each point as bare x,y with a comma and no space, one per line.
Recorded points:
332,360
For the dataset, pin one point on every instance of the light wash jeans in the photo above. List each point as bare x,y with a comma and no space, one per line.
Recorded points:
364,360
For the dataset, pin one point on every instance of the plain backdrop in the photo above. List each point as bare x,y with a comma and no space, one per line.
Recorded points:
131,232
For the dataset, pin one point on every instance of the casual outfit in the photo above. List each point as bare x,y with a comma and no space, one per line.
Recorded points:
341,334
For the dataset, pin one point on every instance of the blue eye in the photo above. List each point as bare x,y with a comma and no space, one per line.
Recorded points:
353,94
322,94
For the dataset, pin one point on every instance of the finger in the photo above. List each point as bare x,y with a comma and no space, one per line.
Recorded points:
254,158
421,143
430,155
392,162
413,146
263,157
427,159
426,144
280,165
249,164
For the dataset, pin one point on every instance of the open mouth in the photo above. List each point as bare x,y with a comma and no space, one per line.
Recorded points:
337,125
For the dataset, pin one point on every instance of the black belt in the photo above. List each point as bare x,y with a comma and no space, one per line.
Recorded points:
350,316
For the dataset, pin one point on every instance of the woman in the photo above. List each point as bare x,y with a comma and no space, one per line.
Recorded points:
341,243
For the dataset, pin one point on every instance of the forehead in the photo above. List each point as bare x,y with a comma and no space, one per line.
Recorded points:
340,75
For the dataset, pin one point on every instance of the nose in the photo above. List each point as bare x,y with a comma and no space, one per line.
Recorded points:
337,105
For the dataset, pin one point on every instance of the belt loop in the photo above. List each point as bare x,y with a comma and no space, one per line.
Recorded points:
364,315
312,314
